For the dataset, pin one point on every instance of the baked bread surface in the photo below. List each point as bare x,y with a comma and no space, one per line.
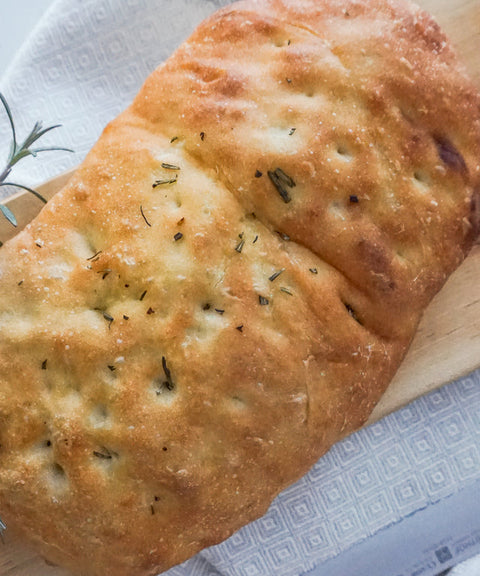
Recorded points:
230,280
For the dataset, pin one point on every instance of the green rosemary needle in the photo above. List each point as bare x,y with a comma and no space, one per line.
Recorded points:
20,151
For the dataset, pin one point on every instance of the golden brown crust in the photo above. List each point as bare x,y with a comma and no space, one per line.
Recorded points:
231,279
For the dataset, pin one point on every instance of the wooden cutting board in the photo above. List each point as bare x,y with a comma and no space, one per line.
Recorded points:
447,344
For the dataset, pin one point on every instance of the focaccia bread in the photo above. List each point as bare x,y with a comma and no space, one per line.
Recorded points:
231,279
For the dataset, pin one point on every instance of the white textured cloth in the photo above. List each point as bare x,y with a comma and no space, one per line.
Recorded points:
469,568
82,65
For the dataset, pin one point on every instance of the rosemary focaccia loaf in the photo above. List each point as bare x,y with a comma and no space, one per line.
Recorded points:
229,282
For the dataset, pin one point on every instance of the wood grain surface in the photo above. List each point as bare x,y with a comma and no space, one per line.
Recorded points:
447,344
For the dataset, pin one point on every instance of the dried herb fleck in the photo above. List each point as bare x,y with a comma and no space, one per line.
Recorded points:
258,174
313,270
169,384
150,311
105,454
163,181
353,199
239,328
108,318
125,317
144,217
263,301
286,290
202,136
292,131
144,293
219,311
274,276
111,368
44,365
173,139
178,236
168,166
255,239
94,258
282,181
240,245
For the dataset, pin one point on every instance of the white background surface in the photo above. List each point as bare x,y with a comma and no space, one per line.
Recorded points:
17,19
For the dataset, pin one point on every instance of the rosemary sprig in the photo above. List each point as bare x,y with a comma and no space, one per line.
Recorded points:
18,151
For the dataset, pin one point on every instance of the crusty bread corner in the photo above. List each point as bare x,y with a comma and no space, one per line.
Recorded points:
231,279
